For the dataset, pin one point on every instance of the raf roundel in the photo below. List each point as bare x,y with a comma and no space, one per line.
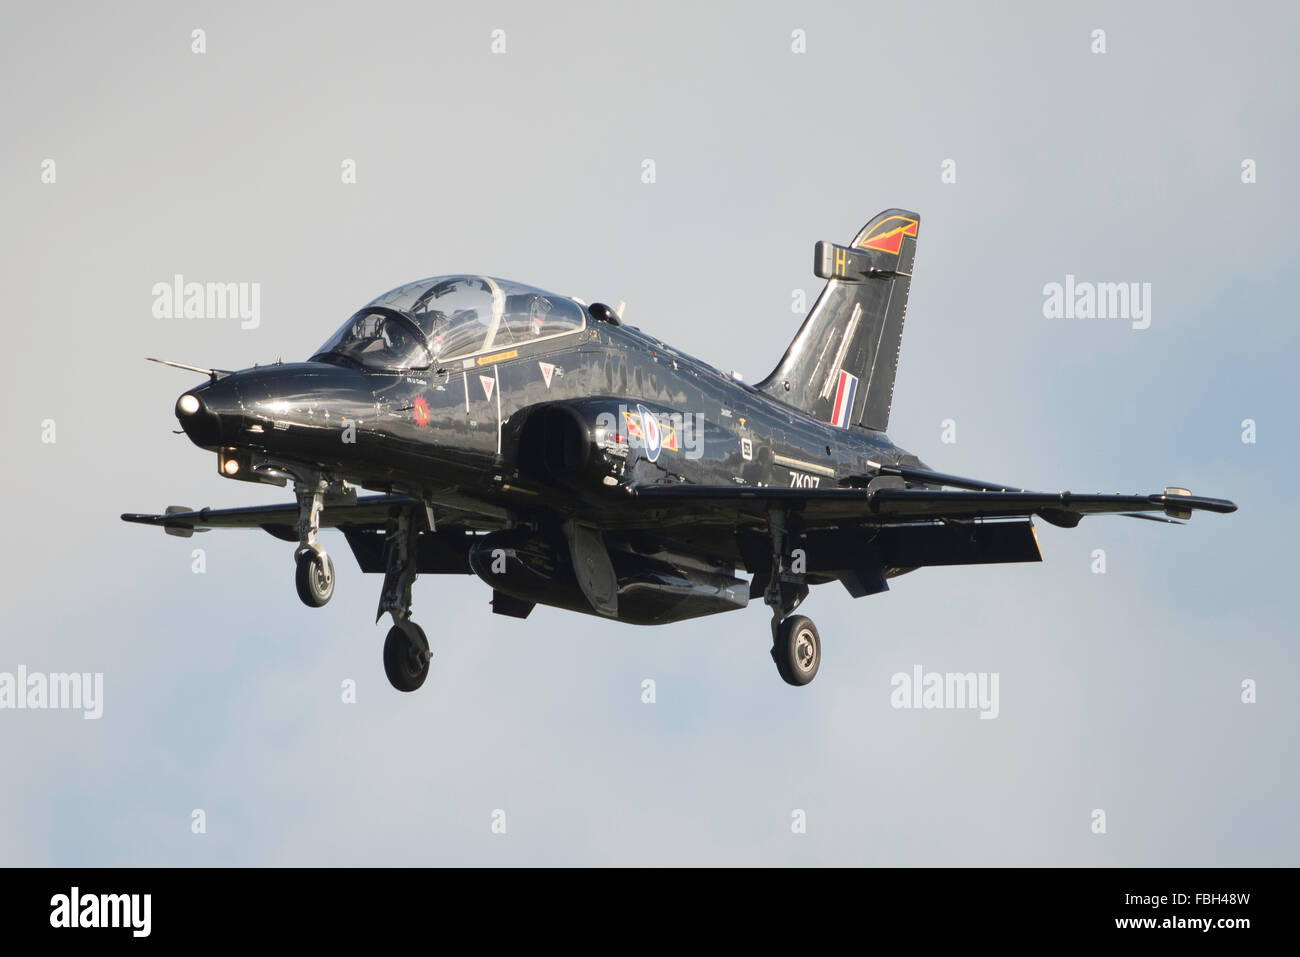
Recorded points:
650,434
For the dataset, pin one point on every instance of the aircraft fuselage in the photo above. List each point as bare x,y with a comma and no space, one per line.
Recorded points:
471,431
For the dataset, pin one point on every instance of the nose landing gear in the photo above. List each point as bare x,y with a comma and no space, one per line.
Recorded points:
315,572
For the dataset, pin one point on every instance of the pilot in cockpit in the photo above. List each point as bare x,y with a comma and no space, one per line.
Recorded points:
537,312
457,332
436,325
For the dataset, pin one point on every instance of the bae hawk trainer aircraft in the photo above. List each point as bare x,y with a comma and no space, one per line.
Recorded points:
568,459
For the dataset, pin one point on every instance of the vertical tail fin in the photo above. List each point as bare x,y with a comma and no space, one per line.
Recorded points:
840,367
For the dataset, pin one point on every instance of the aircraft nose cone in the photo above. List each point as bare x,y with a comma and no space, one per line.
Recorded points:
201,414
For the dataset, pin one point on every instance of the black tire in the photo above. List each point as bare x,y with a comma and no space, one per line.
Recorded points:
406,661
798,650
314,578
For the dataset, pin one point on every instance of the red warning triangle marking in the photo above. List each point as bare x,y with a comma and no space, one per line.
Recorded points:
488,382
548,370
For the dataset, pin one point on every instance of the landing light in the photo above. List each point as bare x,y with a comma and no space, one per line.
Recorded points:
230,466
189,404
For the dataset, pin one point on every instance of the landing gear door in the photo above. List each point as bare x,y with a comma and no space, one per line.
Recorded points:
592,567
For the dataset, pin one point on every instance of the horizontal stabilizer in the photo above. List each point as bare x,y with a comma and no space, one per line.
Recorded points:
832,261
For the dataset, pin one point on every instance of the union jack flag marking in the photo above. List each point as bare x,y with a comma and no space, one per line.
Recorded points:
844,395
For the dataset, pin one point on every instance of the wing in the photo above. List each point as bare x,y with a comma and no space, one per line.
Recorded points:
863,535
923,505
966,499
280,520
362,521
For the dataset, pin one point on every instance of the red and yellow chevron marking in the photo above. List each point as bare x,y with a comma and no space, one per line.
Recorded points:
633,423
887,238
668,435
421,411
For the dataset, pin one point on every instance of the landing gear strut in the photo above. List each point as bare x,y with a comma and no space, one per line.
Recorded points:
315,573
796,646
406,649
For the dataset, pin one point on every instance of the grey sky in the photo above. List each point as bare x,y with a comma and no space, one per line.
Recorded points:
222,692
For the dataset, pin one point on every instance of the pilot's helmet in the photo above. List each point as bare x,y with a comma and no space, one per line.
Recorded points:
537,310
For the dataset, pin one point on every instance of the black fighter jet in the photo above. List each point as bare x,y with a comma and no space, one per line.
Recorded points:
568,459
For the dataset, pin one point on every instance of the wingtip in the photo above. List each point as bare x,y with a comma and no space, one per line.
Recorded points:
1180,500
1221,505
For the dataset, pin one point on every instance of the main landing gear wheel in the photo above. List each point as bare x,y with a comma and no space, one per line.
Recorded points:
406,657
314,578
797,650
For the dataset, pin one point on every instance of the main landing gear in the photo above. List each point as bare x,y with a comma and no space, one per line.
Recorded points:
796,649
406,649
796,646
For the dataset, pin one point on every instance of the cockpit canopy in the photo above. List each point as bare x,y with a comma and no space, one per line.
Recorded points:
434,321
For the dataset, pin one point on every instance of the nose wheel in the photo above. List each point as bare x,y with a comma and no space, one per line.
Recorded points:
314,578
